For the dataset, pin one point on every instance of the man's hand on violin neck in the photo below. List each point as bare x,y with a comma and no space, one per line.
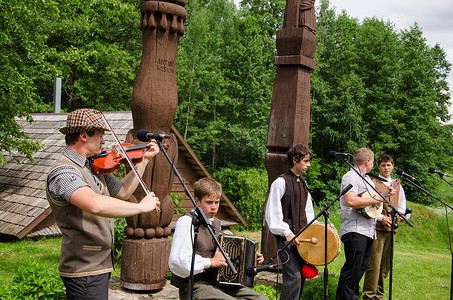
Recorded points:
152,150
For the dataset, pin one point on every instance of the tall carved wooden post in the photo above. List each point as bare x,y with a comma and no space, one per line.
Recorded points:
289,122
144,261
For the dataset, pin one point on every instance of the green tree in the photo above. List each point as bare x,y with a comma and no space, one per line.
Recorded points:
93,45
390,88
225,77
201,84
247,190
20,47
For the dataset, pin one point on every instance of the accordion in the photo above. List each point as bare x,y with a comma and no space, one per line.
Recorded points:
242,253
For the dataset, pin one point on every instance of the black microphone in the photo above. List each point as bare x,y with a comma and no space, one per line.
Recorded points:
407,213
333,153
346,189
144,135
432,170
377,177
252,271
401,172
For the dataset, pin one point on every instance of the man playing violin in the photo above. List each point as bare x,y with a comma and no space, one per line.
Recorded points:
379,263
357,230
84,203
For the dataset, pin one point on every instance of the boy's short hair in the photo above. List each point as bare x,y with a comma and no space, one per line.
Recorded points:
207,187
361,155
298,152
385,158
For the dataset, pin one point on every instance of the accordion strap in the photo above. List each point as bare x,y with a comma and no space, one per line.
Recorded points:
218,230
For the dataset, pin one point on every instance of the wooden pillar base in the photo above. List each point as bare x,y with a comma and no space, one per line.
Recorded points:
144,263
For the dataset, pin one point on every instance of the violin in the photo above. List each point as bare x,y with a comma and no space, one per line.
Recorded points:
128,160
108,161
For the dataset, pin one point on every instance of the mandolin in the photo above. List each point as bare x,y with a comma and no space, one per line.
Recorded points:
373,211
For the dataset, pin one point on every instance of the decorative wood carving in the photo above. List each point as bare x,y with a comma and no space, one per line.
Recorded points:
289,121
154,102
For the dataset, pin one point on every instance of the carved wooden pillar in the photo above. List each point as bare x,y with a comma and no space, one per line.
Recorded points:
144,262
289,121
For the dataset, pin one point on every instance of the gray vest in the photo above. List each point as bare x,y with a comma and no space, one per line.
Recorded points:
86,246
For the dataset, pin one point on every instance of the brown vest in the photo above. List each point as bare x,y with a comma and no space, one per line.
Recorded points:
205,247
300,201
382,188
86,246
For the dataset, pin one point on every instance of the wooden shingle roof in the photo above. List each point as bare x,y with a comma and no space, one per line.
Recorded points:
23,205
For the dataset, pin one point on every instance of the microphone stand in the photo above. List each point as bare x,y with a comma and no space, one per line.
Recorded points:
326,269
326,217
428,193
199,218
442,177
448,227
322,212
393,227
449,239
394,210
392,232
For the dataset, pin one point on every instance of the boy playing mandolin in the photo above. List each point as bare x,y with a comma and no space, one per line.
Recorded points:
379,263
357,229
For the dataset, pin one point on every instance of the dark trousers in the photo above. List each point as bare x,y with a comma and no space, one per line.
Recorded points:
357,249
94,287
293,280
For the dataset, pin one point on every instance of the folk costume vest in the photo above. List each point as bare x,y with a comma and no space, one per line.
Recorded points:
205,247
294,201
86,246
382,188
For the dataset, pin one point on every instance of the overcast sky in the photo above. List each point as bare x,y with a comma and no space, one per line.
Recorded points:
435,18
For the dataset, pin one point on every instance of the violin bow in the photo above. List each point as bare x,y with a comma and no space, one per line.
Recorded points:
131,164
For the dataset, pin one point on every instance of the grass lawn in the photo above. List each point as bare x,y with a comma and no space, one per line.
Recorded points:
21,253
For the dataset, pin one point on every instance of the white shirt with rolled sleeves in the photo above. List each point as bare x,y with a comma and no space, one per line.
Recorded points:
181,250
274,213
